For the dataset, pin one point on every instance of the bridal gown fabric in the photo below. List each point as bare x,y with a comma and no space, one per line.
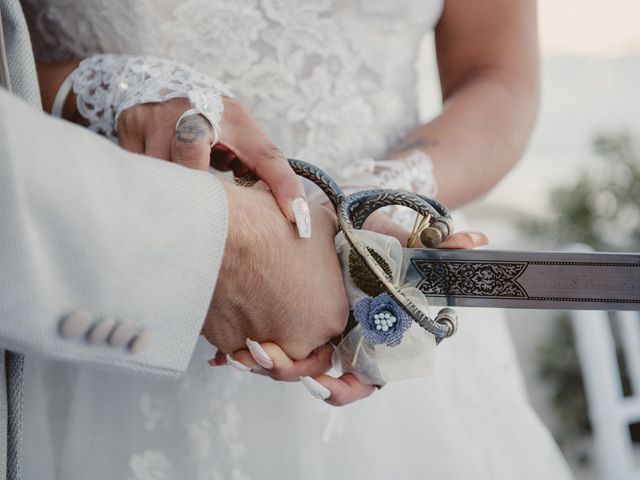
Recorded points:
331,82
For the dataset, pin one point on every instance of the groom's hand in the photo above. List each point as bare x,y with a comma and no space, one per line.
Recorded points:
272,285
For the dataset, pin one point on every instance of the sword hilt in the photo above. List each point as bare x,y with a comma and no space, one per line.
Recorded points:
352,211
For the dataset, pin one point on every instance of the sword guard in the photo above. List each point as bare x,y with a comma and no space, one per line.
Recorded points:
352,210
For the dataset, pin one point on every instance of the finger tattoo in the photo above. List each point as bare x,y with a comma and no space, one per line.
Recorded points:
193,129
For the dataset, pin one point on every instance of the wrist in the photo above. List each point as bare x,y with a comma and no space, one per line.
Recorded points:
413,172
255,225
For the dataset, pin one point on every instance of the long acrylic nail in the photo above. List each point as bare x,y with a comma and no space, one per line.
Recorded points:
316,389
241,367
259,355
300,209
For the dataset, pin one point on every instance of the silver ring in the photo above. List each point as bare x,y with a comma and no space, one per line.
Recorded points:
214,126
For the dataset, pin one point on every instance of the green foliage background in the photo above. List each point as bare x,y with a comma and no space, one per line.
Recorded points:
602,209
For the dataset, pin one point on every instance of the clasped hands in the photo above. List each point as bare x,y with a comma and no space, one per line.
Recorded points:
279,298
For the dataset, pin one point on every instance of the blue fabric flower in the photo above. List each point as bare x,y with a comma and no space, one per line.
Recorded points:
383,321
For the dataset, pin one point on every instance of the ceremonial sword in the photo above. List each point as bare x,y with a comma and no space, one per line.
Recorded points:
515,279
481,278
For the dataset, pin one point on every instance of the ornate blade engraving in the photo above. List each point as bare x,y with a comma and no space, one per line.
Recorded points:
470,279
512,279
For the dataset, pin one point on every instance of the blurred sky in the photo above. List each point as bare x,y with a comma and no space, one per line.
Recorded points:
590,27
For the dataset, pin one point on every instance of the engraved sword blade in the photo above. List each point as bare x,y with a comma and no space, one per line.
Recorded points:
536,280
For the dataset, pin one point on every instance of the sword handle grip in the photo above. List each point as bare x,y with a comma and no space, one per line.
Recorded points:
353,210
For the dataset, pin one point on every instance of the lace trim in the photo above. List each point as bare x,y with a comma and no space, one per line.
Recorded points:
413,173
108,84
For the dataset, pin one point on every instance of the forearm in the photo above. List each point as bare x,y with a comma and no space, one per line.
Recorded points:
480,134
488,65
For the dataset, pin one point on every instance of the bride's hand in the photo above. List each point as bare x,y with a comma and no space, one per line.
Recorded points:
310,371
379,222
148,125
269,359
243,147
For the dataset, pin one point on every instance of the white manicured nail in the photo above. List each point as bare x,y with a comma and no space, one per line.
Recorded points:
241,367
259,355
315,389
300,209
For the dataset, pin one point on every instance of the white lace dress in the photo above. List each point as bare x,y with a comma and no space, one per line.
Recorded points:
332,82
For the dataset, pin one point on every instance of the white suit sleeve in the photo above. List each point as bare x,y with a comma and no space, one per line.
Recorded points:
133,242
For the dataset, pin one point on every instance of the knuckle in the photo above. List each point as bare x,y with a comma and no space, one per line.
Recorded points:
129,119
233,108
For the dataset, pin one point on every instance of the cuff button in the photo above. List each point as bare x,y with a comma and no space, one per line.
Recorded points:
141,341
76,324
122,334
101,331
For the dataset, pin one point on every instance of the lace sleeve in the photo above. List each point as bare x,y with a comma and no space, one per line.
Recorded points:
108,84
413,173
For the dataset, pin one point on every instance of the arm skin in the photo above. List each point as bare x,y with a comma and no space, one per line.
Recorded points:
488,64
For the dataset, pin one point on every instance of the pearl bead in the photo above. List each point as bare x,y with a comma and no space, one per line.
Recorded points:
378,327
385,328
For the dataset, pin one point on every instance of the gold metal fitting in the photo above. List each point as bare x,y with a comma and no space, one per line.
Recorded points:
436,233
431,236
450,317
